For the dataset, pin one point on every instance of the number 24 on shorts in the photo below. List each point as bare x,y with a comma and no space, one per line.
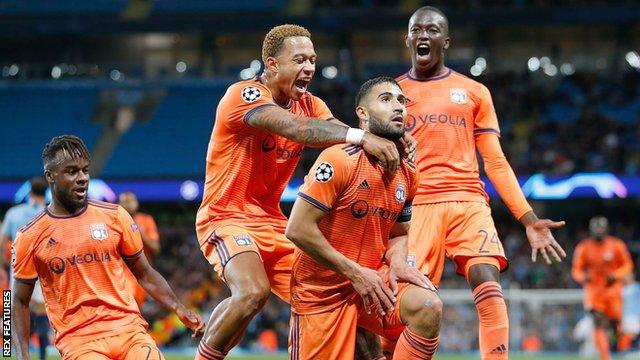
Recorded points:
485,236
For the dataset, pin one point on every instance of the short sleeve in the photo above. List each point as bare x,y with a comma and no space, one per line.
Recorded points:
320,109
130,246
240,101
23,259
486,120
327,179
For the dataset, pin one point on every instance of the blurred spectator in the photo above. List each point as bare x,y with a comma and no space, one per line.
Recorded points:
150,240
16,218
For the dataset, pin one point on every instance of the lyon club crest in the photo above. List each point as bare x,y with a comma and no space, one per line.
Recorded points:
458,96
99,231
400,193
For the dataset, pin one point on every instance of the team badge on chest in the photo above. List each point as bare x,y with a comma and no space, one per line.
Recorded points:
99,231
400,193
458,96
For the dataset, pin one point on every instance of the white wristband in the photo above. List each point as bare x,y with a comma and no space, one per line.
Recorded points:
355,136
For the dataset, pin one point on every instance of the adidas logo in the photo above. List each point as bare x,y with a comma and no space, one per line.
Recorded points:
364,185
51,242
499,350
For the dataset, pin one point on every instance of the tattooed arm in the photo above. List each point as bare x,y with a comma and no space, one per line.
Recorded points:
305,130
320,133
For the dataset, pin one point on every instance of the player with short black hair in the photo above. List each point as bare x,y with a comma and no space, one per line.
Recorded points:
366,281
77,248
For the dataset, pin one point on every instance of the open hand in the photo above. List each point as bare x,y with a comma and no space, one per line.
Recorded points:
541,240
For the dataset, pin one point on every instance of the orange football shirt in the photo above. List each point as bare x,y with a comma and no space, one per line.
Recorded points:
248,168
445,113
78,261
363,201
598,260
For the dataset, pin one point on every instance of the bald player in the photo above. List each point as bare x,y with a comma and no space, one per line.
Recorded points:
452,116
78,249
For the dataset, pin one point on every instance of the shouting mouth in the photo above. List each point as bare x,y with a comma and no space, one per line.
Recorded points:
301,85
423,49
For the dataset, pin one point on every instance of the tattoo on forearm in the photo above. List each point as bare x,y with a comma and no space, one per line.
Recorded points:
305,130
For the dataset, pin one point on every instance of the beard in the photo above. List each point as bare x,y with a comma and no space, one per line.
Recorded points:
69,202
388,130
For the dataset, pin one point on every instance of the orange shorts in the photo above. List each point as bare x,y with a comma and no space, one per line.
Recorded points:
463,231
331,335
605,301
129,346
269,242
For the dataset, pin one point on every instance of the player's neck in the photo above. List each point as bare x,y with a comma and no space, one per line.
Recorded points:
280,98
58,209
437,70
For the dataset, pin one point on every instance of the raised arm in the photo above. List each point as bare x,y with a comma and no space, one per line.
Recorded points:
21,319
503,178
321,133
304,232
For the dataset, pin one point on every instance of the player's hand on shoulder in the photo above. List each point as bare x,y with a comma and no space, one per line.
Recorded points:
384,150
542,240
374,292
409,146
408,274
190,319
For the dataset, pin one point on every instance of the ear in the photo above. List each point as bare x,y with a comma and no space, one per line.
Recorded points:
363,117
48,175
271,64
406,41
446,43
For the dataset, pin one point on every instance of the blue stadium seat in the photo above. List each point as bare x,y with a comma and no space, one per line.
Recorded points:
68,7
31,117
174,142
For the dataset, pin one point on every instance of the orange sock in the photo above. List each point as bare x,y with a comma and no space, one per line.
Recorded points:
206,352
413,346
494,322
602,343
624,342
